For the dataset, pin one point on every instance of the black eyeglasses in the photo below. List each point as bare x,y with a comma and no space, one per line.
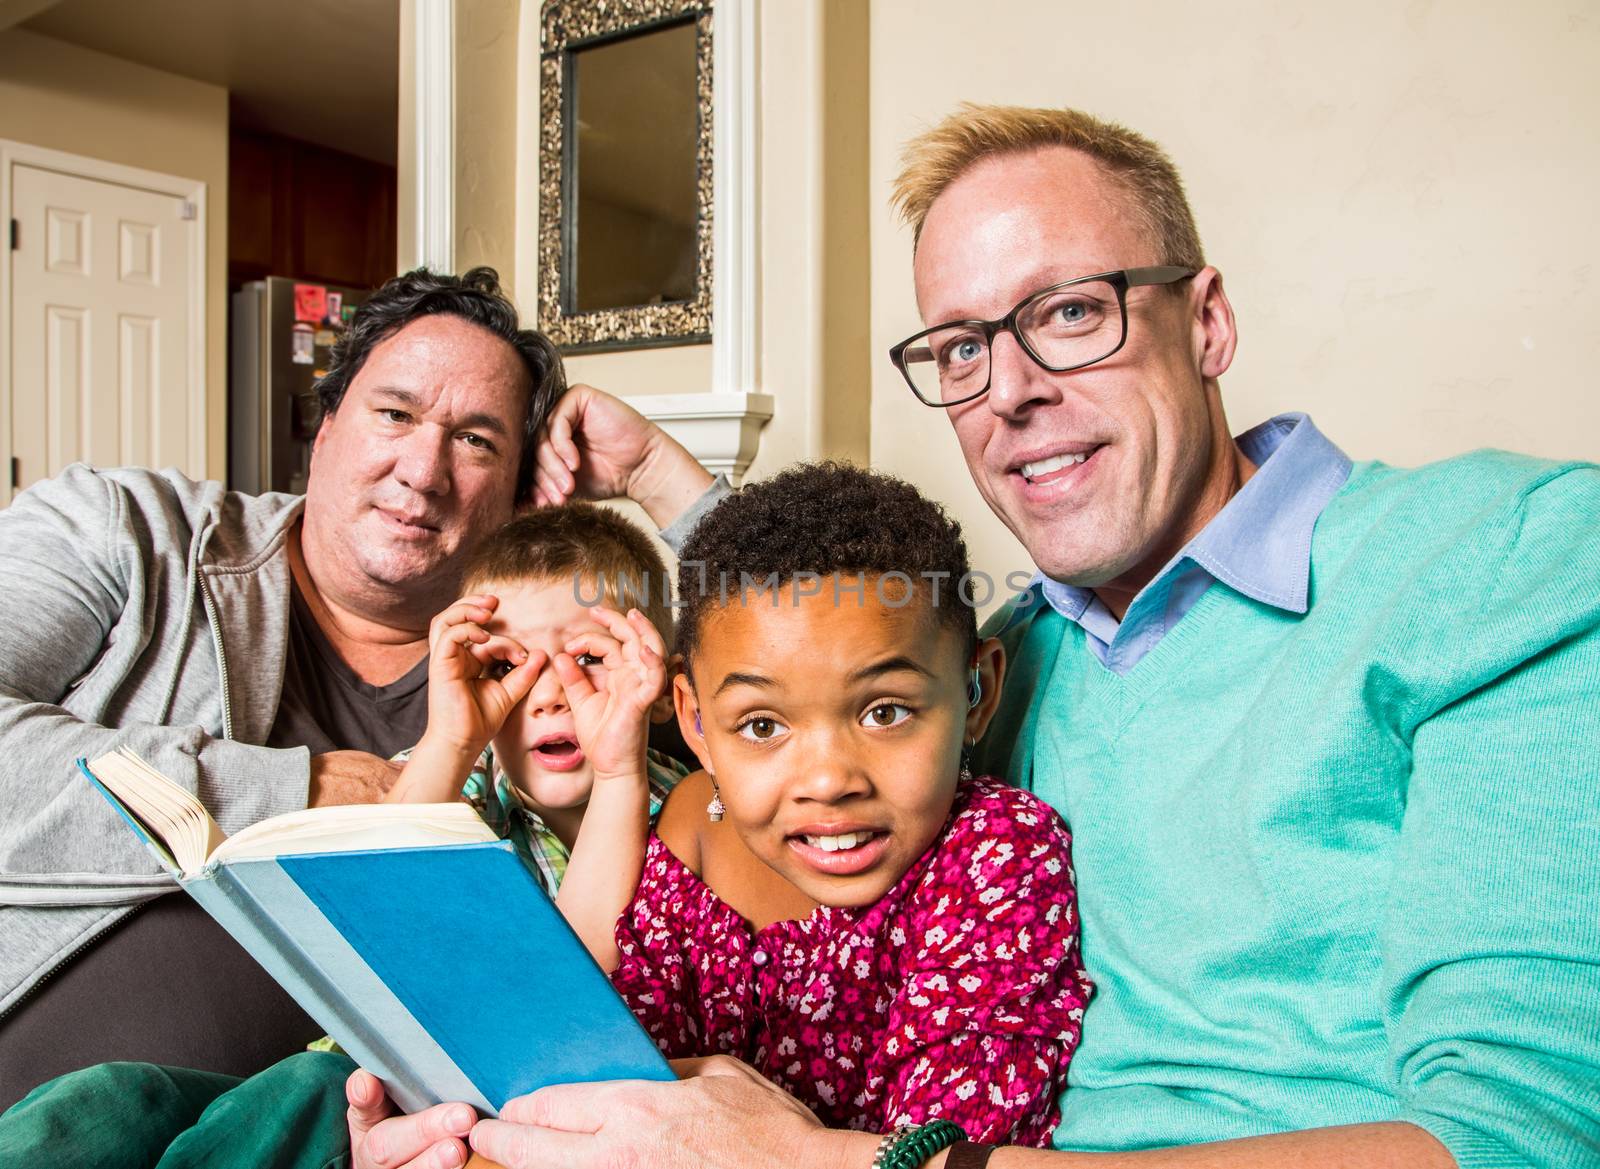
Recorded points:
1064,327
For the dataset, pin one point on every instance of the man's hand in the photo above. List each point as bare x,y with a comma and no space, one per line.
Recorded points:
433,1139
721,1115
597,447
349,777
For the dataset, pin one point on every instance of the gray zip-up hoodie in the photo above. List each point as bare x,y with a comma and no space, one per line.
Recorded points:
145,610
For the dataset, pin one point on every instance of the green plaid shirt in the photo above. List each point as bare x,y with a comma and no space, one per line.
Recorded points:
500,804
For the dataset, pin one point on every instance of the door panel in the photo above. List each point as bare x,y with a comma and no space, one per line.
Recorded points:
100,320
66,361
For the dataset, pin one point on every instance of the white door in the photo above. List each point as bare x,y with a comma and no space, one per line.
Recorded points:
103,300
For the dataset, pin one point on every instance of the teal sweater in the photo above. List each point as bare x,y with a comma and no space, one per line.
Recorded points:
1345,866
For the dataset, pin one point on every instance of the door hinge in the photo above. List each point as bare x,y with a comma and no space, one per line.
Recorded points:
16,472
16,231
187,210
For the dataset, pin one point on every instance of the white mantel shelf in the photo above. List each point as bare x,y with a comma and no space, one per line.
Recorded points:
721,430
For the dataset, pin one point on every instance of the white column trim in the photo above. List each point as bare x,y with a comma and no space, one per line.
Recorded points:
433,44
721,430
735,185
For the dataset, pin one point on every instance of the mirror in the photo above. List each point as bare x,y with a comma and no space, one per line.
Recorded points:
625,174
634,170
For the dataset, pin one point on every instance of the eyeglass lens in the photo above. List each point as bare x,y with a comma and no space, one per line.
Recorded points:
1065,327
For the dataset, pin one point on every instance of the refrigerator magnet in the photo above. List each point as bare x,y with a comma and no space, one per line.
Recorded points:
303,345
310,302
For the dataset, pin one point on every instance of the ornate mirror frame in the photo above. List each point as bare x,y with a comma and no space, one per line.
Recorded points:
567,26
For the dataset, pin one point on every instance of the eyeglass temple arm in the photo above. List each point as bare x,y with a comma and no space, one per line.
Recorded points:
1138,277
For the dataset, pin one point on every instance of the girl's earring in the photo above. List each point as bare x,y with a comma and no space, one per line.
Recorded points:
966,763
715,810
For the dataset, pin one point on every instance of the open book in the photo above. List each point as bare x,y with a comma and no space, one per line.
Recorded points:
188,841
422,943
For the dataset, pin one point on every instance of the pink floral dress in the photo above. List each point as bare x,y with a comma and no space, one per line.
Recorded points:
959,994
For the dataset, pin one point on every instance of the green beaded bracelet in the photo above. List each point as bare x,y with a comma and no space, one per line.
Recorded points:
907,1148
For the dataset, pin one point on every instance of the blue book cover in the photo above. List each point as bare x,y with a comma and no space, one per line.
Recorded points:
445,970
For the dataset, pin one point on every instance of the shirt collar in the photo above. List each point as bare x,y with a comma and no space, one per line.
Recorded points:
510,795
1260,543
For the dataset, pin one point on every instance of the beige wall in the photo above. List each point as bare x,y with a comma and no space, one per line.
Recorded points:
486,135
59,96
815,213
1399,196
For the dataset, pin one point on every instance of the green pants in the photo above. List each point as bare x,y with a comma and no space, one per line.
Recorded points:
123,1115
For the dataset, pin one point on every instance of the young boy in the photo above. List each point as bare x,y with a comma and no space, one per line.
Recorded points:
539,697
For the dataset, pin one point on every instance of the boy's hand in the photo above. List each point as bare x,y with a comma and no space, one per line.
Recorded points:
467,702
611,723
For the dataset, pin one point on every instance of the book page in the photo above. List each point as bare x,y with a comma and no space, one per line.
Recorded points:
180,824
178,821
354,827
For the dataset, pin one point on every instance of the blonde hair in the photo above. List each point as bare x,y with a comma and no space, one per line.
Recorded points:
934,159
593,547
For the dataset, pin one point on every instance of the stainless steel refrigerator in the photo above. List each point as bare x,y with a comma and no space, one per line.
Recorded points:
283,333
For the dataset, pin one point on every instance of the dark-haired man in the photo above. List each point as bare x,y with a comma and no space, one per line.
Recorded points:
267,652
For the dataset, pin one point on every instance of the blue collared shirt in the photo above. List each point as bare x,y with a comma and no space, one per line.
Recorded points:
1259,545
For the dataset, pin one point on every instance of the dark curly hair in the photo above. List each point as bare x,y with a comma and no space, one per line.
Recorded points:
834,520
475,297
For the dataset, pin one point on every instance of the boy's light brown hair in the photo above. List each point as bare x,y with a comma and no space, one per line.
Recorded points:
934,159
592,549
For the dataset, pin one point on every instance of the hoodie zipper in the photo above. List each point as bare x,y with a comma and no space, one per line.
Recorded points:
222,654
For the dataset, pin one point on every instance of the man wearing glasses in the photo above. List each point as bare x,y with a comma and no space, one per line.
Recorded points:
1326,733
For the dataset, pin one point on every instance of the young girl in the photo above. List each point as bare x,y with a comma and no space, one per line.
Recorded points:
835,900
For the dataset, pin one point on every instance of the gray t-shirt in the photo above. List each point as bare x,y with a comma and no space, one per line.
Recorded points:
325,706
